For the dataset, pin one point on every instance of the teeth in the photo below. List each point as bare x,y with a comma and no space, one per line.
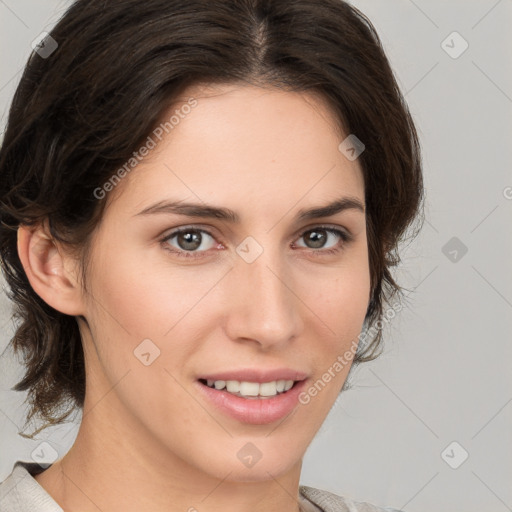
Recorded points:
252,389
233,386
268,389
220,384
249,388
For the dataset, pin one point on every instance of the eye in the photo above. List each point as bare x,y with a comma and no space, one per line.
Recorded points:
189,240
192,242
325,238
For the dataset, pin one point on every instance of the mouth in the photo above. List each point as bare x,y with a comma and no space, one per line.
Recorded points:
258,401
251,390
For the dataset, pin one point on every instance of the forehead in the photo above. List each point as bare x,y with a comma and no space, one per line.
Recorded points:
242,145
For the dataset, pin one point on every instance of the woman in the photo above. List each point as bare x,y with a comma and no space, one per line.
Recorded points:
200,202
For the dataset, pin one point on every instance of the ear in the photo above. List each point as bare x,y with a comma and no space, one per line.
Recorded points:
50,270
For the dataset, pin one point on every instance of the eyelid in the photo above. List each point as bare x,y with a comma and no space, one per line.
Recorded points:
331,227
181,229
208,229
345,235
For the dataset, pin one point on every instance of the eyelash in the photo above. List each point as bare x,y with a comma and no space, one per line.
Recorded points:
345,237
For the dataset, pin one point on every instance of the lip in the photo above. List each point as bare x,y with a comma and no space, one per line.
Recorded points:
255,375
257,411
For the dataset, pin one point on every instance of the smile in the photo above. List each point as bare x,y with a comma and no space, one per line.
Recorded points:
252,402
252,390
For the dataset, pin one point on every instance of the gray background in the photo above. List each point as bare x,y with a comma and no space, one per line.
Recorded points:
443,377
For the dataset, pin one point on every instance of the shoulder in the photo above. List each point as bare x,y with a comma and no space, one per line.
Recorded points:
20,492
329,502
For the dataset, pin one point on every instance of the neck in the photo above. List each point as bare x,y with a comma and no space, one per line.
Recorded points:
116,465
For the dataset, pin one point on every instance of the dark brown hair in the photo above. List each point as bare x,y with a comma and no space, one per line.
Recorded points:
80,113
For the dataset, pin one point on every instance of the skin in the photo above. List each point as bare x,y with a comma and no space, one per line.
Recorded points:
148,440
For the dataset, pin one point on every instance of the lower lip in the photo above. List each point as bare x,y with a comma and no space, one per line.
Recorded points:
254,411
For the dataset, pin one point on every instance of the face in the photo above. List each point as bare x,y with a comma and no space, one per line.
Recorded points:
180,298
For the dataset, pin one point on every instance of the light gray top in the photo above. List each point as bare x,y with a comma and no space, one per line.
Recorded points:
20,492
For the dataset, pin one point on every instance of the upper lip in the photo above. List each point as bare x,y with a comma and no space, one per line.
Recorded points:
256,375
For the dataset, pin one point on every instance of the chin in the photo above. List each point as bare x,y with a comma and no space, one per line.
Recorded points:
266,464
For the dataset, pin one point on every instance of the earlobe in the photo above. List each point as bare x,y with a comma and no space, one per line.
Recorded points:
47,269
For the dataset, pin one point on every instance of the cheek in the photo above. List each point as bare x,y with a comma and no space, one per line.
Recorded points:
338,315
146,295
143,296
338,306
139,299
139,315
340,296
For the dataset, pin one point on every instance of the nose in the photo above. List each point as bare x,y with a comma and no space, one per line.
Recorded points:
263,306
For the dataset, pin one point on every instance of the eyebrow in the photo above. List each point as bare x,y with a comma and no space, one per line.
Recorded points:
216,212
